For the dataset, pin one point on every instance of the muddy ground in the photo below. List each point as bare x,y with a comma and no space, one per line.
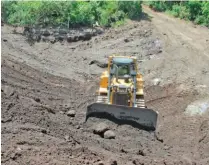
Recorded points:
43,81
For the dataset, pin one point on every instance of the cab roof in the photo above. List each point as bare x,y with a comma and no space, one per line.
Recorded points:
122,61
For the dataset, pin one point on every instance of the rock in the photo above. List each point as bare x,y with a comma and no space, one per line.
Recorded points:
134,161
43,38
61,38
78,127
99,31
112,162
100,163
109,135
48,109
51,39
37,100
61,112
15,155
67,137
87,36
6,120
101,128
9,91
99,63
141,152
70,38
71,113
126,40
45,32
124,151
10,105
44,130
156,81
158,137
167,147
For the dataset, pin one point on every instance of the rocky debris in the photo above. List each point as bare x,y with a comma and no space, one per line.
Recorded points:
61,112
67,138
158,137
6,120
112,162
100,163
45,32
10,105
126,40
47,108
9,91
99,63
71,113
167,147
37,100
60,34
109,135
101,128
51,39
156,81
133,162
44,131
123,150
141,152
15,155
78,127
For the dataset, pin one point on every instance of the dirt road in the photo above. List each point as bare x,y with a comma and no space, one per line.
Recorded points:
42,82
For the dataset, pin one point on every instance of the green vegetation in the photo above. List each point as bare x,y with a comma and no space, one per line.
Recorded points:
69,13
196,11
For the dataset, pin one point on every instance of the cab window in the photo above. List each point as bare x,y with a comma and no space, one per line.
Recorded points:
123,70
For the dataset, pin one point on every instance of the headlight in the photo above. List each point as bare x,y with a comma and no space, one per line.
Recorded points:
115,88
129,89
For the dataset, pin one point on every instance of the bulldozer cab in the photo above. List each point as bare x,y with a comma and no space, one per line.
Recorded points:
122,67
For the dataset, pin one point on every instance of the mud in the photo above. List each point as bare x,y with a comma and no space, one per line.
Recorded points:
43,81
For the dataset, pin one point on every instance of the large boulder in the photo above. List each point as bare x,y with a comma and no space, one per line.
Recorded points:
71,113
109,135
101,128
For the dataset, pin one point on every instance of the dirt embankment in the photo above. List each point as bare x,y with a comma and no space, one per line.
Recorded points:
52,35
42,82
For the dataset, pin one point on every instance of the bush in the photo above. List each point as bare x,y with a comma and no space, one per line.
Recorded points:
133,8
176,10
205,13
69,13
197,11
157,5
184,13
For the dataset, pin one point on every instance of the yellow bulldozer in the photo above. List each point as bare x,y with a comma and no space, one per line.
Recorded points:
121,97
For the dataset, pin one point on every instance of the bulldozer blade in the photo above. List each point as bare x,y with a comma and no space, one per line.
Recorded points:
141,118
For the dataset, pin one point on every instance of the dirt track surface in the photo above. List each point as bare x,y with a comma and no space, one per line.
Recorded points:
42,82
